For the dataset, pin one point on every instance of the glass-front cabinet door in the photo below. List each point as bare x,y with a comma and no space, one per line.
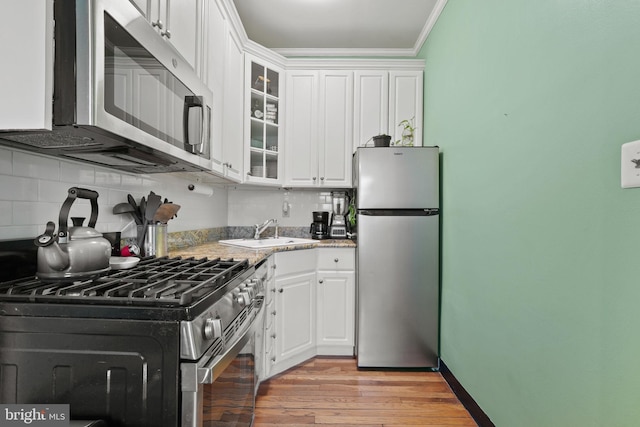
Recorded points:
264,122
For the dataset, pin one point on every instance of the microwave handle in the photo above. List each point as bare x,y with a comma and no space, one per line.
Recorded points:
194,123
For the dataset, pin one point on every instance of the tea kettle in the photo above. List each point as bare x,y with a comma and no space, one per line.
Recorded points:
76,253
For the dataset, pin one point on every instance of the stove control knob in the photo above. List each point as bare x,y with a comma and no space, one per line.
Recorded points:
244,299
212,328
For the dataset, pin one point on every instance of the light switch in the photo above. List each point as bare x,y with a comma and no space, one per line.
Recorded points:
630,165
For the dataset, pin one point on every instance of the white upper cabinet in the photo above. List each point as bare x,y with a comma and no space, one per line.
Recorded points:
233,108
383,99
405,103
223,71
27,74
179,22
371,106
301,151
319,128
263,113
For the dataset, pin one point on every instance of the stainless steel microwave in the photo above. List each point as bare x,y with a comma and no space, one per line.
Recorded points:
123,96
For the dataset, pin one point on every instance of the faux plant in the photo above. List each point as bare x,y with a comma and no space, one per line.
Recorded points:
408,129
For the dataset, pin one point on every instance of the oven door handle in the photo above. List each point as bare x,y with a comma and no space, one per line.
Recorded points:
212,370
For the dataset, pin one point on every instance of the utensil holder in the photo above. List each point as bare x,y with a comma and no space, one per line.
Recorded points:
155,241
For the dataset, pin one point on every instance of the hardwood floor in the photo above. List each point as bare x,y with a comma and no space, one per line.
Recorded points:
333,392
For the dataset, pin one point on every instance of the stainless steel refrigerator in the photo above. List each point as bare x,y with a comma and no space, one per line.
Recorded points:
397,255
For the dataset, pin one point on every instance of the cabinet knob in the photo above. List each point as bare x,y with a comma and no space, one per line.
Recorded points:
322,178
166,34
336,260
273,313
158,24
273,336
273,290
314,178
281,290
320,281
273,359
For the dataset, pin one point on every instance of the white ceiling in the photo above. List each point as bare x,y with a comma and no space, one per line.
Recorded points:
339,27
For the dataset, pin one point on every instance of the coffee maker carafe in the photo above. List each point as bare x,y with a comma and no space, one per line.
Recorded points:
340,203
320,226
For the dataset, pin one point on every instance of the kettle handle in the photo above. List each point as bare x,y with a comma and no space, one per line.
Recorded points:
77,193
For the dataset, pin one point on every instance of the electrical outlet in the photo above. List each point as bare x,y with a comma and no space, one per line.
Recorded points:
286,208
630,165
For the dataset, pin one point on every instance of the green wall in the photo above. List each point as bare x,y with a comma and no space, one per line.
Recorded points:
530,102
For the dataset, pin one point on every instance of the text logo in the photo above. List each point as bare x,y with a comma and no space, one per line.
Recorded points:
34,415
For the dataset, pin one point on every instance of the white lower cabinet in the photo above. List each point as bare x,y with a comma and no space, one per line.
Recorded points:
335,302
310,307
294,340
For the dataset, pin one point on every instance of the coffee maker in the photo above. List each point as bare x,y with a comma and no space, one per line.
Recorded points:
340,203
320,226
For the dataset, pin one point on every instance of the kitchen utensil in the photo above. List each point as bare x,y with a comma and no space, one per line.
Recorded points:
165,212
136,209
75,253
153,203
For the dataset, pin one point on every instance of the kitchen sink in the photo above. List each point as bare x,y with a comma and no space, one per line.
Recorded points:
267,242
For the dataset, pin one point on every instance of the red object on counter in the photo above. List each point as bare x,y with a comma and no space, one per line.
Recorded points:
130,250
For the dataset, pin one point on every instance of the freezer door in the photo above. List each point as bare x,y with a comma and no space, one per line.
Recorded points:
398,291
402,177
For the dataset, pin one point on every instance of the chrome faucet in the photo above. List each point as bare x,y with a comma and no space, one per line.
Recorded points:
261,227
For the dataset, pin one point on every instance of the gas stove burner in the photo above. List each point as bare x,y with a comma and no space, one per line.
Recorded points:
153,282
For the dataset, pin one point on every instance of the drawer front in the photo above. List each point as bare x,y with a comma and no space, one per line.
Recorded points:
295,262
336,259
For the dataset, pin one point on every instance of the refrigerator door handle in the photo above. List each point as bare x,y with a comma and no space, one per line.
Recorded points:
400,212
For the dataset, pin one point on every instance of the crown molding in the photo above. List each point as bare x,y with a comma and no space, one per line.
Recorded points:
350,63
428,26
345,52
280,54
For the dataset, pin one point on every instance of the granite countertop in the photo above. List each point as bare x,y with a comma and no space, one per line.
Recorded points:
216,250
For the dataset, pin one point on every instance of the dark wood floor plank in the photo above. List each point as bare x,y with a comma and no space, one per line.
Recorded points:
333,392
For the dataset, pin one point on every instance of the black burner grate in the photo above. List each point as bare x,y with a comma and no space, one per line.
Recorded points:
154,282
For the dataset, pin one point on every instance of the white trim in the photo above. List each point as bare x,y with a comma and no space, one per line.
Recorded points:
428,26
337,52
357,63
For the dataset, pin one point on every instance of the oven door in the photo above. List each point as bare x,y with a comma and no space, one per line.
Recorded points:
220,391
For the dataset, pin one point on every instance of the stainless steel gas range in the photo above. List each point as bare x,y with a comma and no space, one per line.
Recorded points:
170,342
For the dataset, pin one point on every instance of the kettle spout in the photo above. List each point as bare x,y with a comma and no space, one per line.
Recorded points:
55,257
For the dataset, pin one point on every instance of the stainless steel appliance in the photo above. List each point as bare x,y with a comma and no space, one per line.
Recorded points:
320,226
340,204
123,97
397,257
169,342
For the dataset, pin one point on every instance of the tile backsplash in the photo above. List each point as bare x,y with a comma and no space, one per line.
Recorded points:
33,188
